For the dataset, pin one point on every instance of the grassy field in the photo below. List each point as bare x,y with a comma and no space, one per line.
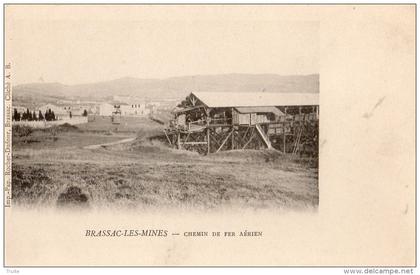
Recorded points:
59,171
127,125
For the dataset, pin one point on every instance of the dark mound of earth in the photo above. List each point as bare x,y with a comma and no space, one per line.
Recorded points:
66,127
73,197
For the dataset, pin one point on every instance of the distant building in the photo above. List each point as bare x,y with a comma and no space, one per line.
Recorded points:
135,109
106,109
67,108
152,108
58,110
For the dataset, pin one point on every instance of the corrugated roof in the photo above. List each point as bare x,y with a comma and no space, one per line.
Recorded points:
222,99
264,109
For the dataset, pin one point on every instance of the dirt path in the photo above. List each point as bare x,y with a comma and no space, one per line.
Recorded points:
97,146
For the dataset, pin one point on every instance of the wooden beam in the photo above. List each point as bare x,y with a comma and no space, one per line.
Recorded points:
233,139
219,125
208,141
250,139
233,133
246,132
170,143
195,142
284,130
188,135
193,100
238,139
208,129
224,141
215,139
243,138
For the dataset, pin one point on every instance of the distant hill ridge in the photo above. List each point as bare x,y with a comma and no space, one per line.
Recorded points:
174,87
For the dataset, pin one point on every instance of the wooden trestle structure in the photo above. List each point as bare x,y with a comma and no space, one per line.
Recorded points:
213,122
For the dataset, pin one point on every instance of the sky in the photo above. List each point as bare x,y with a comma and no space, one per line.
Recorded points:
74,45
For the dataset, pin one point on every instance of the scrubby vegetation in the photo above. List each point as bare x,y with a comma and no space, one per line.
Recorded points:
147,173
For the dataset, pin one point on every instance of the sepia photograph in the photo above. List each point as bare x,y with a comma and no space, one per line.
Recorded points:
99,124
209,135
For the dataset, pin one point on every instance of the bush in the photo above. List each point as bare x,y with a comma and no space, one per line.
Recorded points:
21,131
72,197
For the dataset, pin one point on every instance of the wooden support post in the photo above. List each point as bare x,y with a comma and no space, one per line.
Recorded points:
212,136
208,141
246,132
186,139
224,141
208,130
284,130
178,142
238,137
300,116
233,138
170,143
250,139
233,130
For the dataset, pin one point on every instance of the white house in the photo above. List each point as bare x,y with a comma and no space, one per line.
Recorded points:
58,110
106,109
134,109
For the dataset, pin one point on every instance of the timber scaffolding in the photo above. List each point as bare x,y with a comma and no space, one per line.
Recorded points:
213,122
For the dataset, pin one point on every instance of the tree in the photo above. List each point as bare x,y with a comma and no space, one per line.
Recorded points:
85,113
70,115
48,115
53,116
15,114
34,116
40,116
28,114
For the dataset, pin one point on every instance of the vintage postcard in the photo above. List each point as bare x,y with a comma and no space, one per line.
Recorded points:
209,135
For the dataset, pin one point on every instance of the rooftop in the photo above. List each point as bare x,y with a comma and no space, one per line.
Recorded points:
264,109
260,99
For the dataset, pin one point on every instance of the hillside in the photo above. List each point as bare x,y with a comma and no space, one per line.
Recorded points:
175,87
